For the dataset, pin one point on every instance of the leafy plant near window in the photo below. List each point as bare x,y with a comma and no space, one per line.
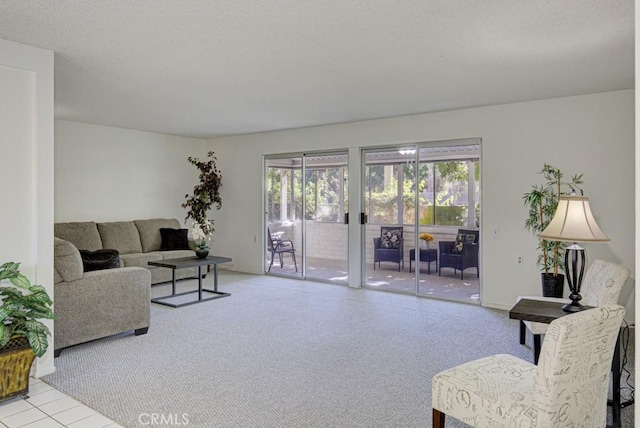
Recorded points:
542,201
205,195
20,308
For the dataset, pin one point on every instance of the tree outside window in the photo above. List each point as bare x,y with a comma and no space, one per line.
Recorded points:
445,193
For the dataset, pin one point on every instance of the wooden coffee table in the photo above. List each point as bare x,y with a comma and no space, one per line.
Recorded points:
189,262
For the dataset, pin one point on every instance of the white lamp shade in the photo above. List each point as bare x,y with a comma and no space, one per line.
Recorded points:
573,222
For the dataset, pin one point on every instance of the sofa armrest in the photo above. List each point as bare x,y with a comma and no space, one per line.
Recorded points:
376,243
100,304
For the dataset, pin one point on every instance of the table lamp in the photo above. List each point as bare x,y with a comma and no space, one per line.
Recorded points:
573,222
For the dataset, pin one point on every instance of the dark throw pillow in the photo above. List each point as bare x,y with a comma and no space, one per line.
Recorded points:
99,259
462,239
390,237
458,245
174,239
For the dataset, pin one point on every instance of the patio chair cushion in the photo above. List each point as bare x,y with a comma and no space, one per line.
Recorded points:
390,238
462,239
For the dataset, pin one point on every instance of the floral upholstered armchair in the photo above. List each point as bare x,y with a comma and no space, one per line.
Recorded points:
389,247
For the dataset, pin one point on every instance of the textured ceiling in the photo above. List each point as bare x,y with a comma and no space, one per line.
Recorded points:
206,68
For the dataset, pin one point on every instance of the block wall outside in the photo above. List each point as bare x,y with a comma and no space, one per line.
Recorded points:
330,240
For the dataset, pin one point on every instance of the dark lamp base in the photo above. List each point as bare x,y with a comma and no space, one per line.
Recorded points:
573,307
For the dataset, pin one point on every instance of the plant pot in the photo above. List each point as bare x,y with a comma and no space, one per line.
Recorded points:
552,286
16,359
202,254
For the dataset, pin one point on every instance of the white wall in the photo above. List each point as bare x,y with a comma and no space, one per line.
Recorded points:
591,134
111,174
26,168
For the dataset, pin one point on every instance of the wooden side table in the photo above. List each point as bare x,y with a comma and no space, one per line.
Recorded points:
545,312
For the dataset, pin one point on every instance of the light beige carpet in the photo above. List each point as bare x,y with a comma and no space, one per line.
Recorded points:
286,353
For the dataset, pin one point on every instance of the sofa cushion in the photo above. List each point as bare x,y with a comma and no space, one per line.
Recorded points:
120,235
66,261
149,231
139,259
84,235
100,259
176,254
174,239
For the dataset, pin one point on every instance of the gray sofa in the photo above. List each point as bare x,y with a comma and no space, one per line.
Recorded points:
96,304
137,241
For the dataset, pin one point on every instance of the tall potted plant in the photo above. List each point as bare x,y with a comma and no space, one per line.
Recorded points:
542,202
205,195
22,336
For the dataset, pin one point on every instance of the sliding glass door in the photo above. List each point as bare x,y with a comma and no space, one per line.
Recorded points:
422,207
390,212
306,216
449,208
283,216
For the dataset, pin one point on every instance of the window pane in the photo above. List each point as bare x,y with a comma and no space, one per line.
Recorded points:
324,193
382,193
451,193
425,190
408,193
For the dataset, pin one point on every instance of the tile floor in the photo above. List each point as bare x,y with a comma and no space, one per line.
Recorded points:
47,407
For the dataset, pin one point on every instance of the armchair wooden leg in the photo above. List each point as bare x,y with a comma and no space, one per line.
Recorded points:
438,419
523,333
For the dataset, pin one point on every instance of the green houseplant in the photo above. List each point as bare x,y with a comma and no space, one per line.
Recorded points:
205,195
22,336
542,202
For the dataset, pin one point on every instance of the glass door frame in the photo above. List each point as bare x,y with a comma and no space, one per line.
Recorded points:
304,156
408,147
415,147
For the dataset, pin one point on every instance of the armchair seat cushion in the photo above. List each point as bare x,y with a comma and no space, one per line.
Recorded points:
482,392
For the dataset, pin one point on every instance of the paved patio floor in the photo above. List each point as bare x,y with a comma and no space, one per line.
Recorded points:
386,277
